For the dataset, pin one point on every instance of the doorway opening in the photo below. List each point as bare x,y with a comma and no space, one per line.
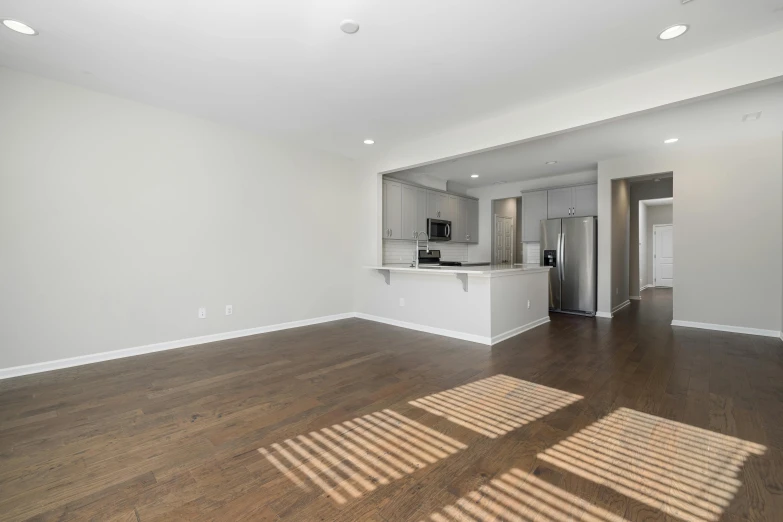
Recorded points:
656,249
663,256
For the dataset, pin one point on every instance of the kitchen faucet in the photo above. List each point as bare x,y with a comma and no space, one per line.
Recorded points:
415,263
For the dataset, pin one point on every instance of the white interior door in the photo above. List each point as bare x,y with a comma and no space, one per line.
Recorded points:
504,240
663,255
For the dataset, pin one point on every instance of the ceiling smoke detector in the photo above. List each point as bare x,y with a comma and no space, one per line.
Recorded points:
753,116
349,26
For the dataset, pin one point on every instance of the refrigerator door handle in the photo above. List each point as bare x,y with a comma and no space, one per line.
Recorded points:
562,256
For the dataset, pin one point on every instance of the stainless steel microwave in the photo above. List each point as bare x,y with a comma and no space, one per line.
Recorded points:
439,229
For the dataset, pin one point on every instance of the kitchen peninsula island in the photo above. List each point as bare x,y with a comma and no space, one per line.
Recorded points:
483,304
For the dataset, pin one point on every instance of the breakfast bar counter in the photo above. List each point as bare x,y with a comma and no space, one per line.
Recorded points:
485,304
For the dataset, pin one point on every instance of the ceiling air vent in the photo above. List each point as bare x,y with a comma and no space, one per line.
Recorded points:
753,116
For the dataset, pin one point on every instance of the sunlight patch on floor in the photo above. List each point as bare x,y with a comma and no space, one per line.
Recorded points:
350,459
517,496
496,405
687,472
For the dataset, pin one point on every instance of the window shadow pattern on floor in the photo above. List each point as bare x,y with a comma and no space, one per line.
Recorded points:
683,471
353,458
496,405
517,496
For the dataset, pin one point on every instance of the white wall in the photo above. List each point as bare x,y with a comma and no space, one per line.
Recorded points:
621,216
643,190
483,250
118,220
721,196
656,215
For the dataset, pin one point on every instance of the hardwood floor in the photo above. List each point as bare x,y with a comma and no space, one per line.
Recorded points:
579,419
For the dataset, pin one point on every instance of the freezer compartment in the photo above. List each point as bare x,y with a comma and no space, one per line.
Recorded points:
550,256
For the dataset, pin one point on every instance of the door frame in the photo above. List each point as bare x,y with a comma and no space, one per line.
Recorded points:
655,253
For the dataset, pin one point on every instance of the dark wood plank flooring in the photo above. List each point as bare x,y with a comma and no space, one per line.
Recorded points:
579,419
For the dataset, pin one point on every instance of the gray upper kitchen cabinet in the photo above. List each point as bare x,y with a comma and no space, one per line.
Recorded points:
409,207
421,211
392,210
534,209
573,201
585,200
559,202
406,209
459,229
472,220
437,202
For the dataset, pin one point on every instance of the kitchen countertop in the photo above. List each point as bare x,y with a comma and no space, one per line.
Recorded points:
481,271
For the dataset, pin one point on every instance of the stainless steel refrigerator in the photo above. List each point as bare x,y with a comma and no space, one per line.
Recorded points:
569,245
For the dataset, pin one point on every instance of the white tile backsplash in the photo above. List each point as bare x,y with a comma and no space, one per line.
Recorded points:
401,251
531,252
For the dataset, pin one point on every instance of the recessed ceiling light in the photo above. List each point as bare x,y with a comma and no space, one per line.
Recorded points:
19,27
753,116
672,140
349,26
474,175
369,142
551,162
673,32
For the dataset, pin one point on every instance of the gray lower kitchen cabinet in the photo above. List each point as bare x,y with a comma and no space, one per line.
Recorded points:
585,200
559,202
472,220
392,210
534,209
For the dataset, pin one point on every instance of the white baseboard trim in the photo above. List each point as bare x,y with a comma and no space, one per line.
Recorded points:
605,315
635,298
489,341
427,329
621,306
645,287
516,331
59,364
726,328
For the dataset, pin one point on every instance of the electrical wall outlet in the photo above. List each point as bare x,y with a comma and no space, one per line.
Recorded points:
202,313
402,301
229,309
528,304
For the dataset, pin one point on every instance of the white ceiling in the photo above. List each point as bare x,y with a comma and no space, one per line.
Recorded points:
701,122
415,67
